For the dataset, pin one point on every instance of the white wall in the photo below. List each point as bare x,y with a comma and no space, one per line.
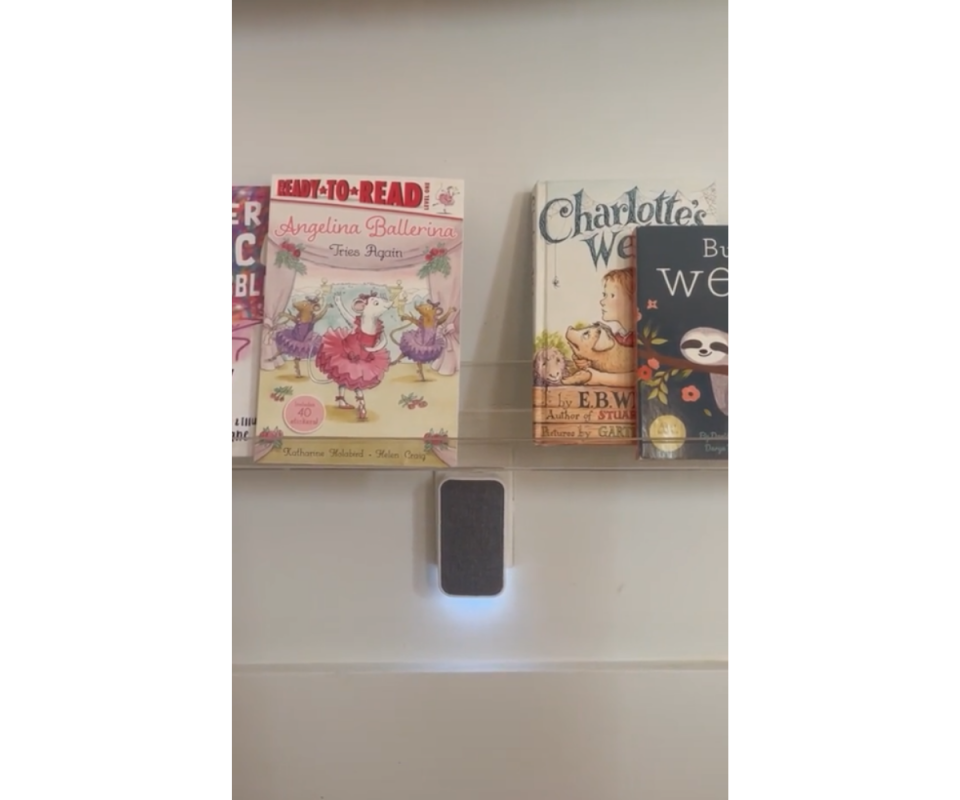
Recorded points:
614,570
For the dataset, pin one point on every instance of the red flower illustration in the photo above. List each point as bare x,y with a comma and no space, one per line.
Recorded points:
651,303
296,253
644,373
690,394
653,363
432,440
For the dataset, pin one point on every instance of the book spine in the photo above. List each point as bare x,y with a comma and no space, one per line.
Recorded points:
540,278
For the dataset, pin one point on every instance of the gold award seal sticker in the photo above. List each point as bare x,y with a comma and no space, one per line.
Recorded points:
667,433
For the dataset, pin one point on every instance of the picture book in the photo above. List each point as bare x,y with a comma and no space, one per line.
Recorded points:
585,311
250,211
360,360
682,342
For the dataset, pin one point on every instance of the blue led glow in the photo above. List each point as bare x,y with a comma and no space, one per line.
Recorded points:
477,610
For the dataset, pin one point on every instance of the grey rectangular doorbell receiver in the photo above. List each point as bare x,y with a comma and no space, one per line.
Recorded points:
473,513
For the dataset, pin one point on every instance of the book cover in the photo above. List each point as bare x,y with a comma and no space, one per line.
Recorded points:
585,311
683,342
250,211
360,360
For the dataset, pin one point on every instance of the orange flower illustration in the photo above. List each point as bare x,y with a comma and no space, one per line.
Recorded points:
653,363
644,373
690,394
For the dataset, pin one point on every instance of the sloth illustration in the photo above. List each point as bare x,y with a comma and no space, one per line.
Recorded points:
709,346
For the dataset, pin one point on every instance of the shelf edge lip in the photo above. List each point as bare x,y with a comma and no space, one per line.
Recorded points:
450,667
639,466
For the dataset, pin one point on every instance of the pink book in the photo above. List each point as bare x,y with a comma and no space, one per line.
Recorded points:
360,359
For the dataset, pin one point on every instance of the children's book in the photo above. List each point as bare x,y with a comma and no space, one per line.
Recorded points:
360,360
585,310
683,344
250,210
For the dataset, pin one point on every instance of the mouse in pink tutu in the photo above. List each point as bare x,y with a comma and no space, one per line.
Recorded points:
356,358
425,343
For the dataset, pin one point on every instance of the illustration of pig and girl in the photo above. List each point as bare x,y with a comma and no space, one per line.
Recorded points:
602,353
355,356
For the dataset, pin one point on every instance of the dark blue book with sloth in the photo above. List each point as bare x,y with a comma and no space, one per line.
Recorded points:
682,341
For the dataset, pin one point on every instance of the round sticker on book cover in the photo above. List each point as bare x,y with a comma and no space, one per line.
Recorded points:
667,433
304,414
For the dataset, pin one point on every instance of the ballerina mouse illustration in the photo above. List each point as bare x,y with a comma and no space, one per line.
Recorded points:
446,198
301,341
425,343
356,358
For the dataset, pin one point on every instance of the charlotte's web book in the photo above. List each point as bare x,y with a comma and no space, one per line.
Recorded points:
584,365
682,342
360,363
250,207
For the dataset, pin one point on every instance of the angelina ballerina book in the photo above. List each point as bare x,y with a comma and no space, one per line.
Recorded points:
585,310
360,358
682,342
250,207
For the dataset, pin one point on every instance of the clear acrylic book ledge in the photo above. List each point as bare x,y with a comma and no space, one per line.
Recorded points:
496,433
